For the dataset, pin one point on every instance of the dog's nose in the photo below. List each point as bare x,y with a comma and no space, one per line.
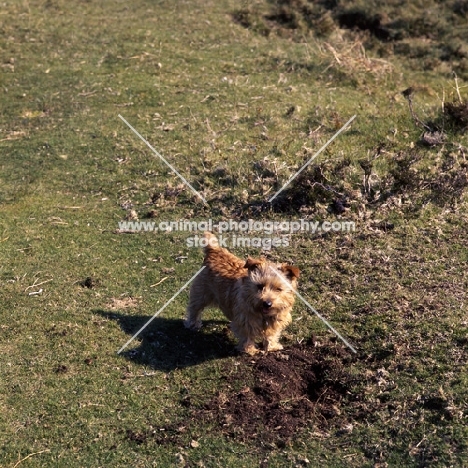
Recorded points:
266,304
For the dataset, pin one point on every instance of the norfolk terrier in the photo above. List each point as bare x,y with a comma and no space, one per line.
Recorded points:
255,295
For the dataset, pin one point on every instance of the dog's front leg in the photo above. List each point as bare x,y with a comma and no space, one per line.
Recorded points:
246,341
271,340
247,347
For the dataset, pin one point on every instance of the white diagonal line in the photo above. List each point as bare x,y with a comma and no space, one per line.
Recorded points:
160,310
312,158
172,168
344,340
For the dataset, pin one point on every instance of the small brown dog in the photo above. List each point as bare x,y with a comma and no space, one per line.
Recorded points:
256,295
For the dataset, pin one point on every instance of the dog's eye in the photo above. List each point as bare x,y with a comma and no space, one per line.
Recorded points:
278,289
260,287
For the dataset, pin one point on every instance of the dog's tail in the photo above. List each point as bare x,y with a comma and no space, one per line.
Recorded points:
210,241
220,261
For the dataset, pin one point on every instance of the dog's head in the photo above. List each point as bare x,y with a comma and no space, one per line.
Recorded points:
270,287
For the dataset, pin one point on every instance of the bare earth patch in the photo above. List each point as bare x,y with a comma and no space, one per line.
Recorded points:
285,392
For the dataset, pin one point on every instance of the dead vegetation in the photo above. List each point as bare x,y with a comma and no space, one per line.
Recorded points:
402,180
415,176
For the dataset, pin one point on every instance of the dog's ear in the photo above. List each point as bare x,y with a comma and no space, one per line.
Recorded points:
291,272
252,263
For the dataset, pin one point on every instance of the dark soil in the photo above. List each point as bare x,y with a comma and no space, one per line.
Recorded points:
458,114
89,282
363,21
272,397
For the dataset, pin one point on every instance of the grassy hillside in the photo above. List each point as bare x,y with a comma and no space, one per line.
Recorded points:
237,97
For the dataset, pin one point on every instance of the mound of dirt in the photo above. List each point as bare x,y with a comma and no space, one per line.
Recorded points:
282,393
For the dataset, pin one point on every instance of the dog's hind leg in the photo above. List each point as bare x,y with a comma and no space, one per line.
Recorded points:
199,299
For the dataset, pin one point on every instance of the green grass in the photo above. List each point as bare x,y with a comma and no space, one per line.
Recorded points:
237,113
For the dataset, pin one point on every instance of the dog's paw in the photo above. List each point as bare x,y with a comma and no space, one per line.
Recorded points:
273,347
193,325
250,350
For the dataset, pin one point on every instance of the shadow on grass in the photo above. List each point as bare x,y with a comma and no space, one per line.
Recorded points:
166,345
